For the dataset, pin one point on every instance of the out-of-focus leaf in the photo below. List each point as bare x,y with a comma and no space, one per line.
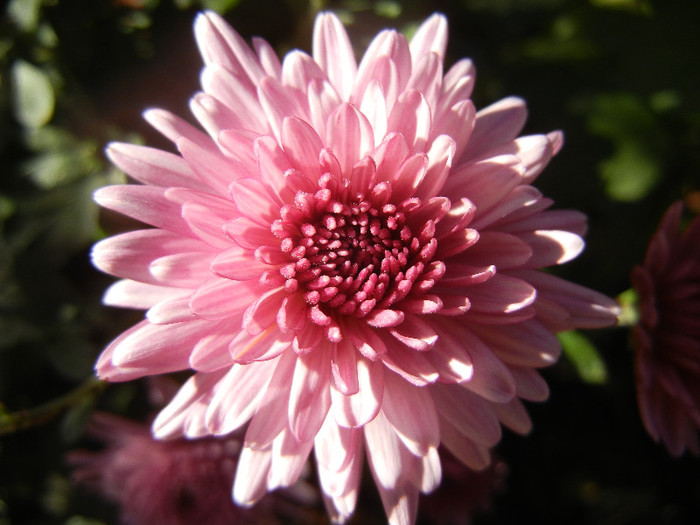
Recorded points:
7,208
220,6
630,173
388,9
55,499
633,6
584,356
564,42
628,300
61,158
33,94
24,13
634,168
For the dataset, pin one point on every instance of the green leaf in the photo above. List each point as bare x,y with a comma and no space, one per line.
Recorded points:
220,6
33,94
24,13
584,356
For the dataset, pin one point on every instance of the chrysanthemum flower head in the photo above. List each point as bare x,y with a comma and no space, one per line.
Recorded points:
667,337
348,259
175,482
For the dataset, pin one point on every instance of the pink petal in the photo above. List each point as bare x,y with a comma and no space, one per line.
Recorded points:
219,298
288,460
471,415
411,117
349,134
588,309
250,483
413,366
237,397
270,418
492,379
174,127
344,367
552,247
514,416
473,455
299,70
334,53
172,310
357,409
384,451
267,57
497,124
529,384
211,351
302,146
152,166
430,37
186,269
239,264
214,169
131,294
192,396
144,203
279,102
261,314
220,44
253,201
411,412
156,349
238,95
310,397
247,348
130,254
415,333
502,250
502,293
487,182
527,344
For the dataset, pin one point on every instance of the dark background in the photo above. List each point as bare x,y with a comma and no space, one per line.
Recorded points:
620,77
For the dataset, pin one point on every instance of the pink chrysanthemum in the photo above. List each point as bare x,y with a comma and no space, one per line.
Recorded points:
175,482
348,260
667,337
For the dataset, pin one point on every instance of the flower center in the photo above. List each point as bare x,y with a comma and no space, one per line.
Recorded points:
353,254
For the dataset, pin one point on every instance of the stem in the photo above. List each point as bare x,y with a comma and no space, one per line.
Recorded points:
22,419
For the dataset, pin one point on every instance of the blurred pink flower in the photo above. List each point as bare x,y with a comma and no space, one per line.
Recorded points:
348,260
176,482
463,492
667,337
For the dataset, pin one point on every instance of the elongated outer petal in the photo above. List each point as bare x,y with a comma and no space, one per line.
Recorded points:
497,124
152,166
310,397
339,461
334,53
271,416
250,483
412,413
131,294
357,409
192,396
384,451
165,348
238,396
288,460
144,203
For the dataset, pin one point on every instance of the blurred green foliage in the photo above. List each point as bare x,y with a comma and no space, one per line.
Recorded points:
619,77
